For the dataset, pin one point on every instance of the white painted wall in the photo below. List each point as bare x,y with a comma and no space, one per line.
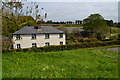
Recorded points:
26,40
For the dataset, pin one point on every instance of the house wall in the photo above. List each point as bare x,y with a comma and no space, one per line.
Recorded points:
26,40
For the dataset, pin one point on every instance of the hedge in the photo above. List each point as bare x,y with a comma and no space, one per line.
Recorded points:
66,47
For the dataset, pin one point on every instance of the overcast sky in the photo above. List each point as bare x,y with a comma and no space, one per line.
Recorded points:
63,11
74,0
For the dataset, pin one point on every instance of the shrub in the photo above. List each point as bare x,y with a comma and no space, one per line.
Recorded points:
87,39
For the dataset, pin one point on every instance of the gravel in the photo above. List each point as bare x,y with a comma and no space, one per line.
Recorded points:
114,49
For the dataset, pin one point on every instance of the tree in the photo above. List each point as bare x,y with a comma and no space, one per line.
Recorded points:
14,16
49,22
78,22
110,22
96,24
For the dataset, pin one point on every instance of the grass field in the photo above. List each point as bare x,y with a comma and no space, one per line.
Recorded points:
79,63
71,26
115,28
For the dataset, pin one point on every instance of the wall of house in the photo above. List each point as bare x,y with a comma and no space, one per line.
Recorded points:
26,40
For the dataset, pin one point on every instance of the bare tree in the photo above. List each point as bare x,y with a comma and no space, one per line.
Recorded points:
16,9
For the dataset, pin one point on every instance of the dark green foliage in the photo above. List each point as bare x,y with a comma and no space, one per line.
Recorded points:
109,22
49,22
87,40
95,23
9,27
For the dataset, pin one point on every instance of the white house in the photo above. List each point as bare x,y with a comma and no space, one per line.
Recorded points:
38,36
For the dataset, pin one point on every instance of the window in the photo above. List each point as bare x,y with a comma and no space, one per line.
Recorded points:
34,45
46,36
61,35
18,37
47,44
33,36
61,43
18,46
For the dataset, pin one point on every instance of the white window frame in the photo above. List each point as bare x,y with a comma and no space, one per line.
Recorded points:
61,42
34,44
18,37
47,43
47,36
61,35
18,46
33,36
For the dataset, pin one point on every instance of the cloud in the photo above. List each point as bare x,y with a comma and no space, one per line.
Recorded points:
78,10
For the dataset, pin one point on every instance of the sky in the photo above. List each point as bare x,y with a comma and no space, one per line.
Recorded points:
74,0
64,11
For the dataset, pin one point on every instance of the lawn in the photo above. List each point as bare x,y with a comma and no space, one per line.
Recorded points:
79,63
115,30
71,26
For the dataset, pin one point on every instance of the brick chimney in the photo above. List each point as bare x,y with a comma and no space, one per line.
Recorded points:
38,25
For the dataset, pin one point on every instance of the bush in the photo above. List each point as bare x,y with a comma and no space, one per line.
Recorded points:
87,39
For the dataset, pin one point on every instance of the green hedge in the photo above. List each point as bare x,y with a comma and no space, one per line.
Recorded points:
87,39
66,47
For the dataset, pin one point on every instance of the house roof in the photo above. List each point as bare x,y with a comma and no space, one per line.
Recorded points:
33,30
